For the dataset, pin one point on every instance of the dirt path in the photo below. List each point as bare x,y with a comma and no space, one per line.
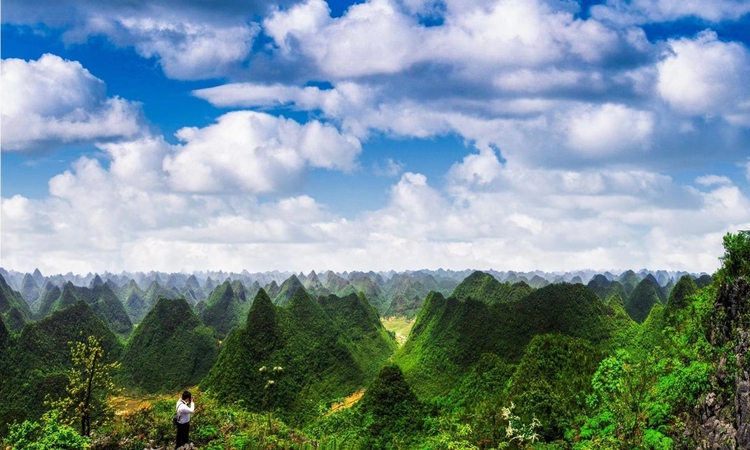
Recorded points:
348,401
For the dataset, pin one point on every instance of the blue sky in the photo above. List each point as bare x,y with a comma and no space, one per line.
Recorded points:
387,134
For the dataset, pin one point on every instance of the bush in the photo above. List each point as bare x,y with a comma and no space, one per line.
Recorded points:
49,435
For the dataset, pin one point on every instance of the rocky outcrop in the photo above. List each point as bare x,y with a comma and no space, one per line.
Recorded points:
723,417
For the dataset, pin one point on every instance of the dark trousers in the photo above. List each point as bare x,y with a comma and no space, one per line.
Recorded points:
183,431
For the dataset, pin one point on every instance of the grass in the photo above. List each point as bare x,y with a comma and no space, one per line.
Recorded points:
399,325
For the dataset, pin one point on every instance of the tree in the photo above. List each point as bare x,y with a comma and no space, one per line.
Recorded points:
736,259
90,383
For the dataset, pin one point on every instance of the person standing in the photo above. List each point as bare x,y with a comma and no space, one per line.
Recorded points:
185,407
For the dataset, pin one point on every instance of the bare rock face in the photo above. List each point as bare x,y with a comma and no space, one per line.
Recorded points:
722,420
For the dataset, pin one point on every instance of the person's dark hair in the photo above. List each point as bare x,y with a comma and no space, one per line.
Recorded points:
186,395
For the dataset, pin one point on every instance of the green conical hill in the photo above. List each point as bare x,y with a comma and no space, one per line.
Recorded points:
46,303
252,291
338,285
450,335
600,285
4,337
273,289
156,291
138,302
192,283
537,282
629,281
50,290
313,285
659,290
684,288
30,290
313,351
372,291
552,381
103,301
13,308
703,281
569,309
288,289
484,287
8,413
650,333
225,310
193,290
615,288
647,294
239,290
616,299
134,299
40,358
46,341
391,407
208,286
667,288
625,328
108,307
370,343
170,350
403,305
408,292
96,282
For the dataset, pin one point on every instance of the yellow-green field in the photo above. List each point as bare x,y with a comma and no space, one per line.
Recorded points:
399,325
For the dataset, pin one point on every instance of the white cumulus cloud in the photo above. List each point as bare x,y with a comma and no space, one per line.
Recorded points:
648,11
52,101
186,50
610,128
707,77
255,152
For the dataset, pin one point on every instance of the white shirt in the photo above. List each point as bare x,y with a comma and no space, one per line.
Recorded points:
184,410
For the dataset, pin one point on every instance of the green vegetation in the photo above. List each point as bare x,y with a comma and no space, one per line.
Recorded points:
485,287
552,381
287,290
450,335
14,310
645,295
678,297
368,341
50,434
612,365
316,354
225,310
36,363
102,300
736,258
392,408
629,281
408,292
90,383
169,351
134,299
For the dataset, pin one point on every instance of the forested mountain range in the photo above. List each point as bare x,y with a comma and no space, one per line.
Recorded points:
391,293
562,355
